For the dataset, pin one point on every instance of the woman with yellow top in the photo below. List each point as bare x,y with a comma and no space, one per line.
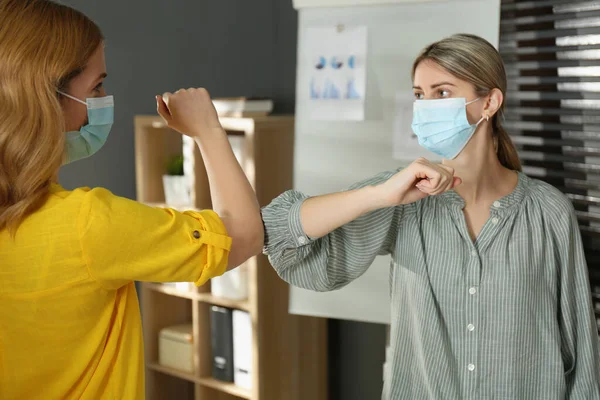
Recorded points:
69,319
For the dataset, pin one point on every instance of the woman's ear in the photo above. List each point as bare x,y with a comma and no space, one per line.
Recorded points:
493,104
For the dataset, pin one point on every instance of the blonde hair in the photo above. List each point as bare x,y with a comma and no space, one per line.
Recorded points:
43,45
474,60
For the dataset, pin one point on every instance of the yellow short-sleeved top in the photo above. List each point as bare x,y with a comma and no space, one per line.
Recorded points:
69,317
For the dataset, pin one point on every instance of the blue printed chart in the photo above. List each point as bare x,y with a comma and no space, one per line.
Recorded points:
337,79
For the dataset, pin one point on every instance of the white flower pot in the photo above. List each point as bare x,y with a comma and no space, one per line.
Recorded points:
177,190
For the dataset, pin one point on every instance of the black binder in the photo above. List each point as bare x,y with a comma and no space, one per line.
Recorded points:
222,343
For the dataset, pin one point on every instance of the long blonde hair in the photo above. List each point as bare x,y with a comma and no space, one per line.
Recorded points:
474,60
43,45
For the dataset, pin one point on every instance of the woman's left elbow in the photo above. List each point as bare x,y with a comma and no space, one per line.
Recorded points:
256,239
248,243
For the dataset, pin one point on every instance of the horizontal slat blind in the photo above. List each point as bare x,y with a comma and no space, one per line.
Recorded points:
551,49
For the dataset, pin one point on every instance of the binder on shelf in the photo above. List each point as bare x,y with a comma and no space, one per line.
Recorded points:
242,349
222,343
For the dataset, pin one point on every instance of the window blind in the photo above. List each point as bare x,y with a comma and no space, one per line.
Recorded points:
551,49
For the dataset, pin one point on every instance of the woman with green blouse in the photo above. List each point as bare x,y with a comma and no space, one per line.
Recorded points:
490,295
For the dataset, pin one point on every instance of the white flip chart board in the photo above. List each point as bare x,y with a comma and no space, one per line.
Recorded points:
331,155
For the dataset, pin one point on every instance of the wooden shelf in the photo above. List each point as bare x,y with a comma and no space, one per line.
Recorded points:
226,387
212,383
264,148
173,372
243,305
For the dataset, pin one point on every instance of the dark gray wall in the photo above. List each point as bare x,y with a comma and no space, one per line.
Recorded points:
232,48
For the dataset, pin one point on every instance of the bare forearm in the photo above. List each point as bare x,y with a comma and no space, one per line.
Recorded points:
324,214
232,196
192,113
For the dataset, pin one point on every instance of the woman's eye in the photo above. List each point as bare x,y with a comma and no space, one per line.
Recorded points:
97,88
444,93
419,96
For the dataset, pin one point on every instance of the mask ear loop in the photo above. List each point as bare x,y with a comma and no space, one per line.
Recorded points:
487,118
72,98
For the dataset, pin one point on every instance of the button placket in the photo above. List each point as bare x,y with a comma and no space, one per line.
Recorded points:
472,274
472,311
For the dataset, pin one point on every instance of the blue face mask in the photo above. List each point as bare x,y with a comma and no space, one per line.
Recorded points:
442,126
91,137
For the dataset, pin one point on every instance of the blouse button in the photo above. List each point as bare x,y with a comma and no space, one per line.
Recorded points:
197,234
497,204
302,240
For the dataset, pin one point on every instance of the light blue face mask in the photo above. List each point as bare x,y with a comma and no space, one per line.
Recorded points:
91,137
442,126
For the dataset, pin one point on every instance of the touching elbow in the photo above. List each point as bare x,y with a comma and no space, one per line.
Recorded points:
247,241
254,238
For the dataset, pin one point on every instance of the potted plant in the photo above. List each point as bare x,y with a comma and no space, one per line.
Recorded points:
176,184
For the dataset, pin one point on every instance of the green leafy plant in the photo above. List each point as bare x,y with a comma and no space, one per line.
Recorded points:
175,165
